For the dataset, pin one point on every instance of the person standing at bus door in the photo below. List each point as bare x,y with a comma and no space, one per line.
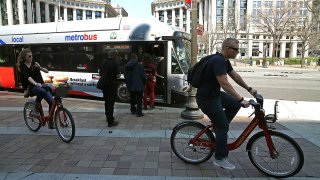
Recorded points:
135,80
150,71
222,106
112,70
30,75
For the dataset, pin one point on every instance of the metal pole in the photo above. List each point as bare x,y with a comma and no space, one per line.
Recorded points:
192,110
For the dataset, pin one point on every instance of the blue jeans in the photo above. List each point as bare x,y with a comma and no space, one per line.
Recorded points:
220,110
42,93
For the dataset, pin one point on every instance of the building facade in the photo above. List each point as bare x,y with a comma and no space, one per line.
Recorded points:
219,19
14,12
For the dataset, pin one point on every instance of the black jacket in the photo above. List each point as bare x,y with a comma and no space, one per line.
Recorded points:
135,76
112,70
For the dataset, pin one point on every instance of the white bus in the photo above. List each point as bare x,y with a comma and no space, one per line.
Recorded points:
75,50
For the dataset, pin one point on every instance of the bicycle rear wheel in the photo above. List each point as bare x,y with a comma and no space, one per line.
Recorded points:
31,116
289,156
180,139
64,124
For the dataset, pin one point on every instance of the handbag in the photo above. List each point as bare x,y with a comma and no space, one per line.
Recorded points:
26,92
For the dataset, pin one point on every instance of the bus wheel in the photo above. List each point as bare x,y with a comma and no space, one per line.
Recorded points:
123,93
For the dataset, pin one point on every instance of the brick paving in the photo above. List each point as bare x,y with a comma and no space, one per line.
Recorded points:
119,155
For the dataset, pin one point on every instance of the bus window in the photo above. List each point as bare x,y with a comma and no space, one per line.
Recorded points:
175,68
81,59
183,54
4,56
50,57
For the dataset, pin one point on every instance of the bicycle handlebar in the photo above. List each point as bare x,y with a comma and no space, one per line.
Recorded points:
258,103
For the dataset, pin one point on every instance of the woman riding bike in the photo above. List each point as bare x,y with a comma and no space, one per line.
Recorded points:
31,79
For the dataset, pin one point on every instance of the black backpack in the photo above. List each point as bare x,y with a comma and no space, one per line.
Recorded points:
195,73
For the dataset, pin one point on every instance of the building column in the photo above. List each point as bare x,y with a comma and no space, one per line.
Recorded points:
210,26
84,15
306,53
21,12
9,12
225,13
188,21
261,49
46,9
283,50
213,7
173,19
157,15
165,18
93,14
201,12
206,7
74,14
56,13
249,47
181,18
293,52
29,12
38,17
65,13
270,49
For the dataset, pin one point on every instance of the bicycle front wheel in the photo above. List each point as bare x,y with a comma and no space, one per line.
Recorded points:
64,124
288,160
180,139
31,116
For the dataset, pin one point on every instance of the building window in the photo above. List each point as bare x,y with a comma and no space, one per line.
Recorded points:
219,3
243,4
256,4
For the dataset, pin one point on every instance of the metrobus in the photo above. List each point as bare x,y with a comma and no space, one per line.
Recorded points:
75,50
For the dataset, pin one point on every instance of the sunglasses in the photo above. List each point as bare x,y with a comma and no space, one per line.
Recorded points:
236,49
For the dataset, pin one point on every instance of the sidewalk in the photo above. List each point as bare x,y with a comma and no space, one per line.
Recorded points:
139,148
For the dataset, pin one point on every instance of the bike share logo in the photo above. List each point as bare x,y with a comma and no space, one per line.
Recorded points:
17,39
84,37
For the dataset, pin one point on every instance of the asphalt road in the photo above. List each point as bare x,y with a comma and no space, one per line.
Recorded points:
282,84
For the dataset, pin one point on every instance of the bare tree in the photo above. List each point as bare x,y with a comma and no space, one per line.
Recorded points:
314,9
304,32
273,22
232,27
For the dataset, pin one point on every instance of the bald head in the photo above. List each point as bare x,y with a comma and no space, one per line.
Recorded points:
229,42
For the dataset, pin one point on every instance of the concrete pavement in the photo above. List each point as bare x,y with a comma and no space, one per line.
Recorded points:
139,148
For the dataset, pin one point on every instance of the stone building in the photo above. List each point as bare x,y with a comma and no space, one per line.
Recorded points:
218,19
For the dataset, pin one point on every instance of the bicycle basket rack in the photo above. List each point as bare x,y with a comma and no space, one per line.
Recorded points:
62,91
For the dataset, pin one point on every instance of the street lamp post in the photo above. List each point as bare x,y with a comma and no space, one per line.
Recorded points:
192,110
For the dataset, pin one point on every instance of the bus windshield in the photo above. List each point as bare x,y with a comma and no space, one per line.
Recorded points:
182,48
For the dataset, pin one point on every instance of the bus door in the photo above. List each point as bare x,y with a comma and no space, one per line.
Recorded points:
177,70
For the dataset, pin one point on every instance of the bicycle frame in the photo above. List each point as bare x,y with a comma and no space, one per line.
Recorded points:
44,119
258,120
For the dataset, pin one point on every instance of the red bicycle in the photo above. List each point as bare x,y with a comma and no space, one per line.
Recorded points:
63,120
271,152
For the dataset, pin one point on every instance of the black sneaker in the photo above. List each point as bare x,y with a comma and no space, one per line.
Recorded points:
140,114
114,123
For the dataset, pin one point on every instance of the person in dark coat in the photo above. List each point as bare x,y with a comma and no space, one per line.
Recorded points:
112,70
135,79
